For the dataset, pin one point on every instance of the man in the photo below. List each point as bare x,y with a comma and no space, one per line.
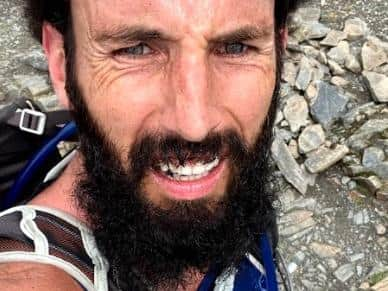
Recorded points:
174,101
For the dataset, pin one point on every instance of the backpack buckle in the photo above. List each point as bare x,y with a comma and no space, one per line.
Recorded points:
32,121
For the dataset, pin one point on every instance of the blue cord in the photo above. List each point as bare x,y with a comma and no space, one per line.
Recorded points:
16,190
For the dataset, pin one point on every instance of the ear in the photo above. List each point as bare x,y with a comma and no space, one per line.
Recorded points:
53,46
284,37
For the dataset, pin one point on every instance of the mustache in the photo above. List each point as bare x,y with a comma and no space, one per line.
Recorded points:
153,149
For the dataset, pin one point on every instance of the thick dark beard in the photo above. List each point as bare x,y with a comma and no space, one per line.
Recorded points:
154,248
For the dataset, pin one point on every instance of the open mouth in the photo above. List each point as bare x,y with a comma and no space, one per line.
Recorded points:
189,181
189,171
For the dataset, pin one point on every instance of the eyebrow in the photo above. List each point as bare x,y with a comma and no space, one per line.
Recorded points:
245,33
123,34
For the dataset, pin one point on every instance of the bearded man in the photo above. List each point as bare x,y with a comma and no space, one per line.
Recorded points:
174,101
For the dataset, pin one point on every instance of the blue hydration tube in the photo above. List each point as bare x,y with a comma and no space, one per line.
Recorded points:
40,157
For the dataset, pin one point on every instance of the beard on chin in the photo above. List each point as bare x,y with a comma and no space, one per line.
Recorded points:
157,247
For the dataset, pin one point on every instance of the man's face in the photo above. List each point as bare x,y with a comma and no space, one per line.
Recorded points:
179,67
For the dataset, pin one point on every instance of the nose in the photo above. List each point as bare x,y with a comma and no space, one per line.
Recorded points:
191,111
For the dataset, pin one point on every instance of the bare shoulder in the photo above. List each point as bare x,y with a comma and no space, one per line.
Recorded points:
32,276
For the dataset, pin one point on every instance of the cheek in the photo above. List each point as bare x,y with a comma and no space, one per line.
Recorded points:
247,95
123,106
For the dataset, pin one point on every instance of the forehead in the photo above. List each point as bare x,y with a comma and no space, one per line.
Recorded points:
195,16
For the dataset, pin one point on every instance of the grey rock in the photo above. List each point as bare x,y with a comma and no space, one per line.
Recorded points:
372,55
296,112
335,68
380,170
284,134
289,73
361,217
352,64
324,250
329,105
344,273
290,169
311,30
357,257
305,14
324,158
378,85
367,109
380,229
333,38
371,183
293,148
340,52
339,81
289,230
304,75
311,138
37,60
36,85
295,217
382,193
372,157
303,203
310,51
367,130
355,29
355,170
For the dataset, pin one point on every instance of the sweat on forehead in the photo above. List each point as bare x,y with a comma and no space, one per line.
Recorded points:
189,17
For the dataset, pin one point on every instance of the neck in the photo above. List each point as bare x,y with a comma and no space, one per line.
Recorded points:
59,195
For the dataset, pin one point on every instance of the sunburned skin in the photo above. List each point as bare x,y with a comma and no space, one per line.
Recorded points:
182,81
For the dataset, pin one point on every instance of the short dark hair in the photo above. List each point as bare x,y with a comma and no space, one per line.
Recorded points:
58,13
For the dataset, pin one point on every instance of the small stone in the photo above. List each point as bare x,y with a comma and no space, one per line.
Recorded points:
311,92
339,53
296,112
311,30
380,229
279,117
304,75
364,286
324,158
311,138
355,29
352,64
310,51
329,104
345,180
372,55
371,183
378,85
289,230
290,169
357,257
324,250
382,193
339,81
322,57
372,157
368,130
303,204
289,73
293,148
306,14
37,60
295,217
344,273
380,170
335,68
333,38
36,85
361,217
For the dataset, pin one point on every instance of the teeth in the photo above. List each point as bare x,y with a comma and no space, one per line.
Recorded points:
189,172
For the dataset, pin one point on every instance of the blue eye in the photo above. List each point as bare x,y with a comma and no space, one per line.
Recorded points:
140,49
234,48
